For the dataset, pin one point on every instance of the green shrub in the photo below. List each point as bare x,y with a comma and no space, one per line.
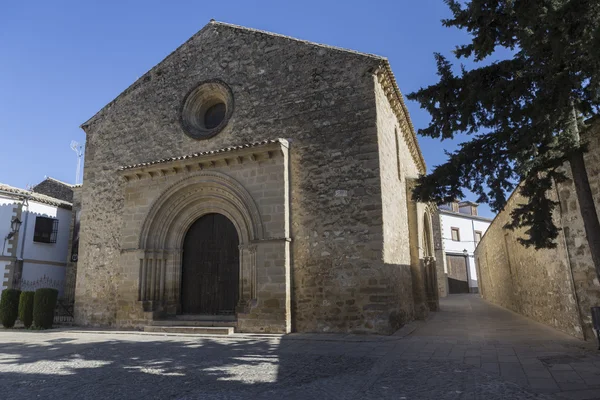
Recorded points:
9,307
44,303
26,308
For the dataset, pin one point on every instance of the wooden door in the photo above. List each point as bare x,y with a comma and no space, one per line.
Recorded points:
457,274
210,270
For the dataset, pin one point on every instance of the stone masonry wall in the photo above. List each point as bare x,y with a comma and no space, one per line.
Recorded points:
71,270
553,286
53,188
534,283
587,287
323,101
395,165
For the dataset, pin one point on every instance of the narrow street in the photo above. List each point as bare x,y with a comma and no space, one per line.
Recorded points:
469,350
502,343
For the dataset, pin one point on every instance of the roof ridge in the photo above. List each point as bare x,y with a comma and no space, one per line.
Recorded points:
280,35
458,214
57,180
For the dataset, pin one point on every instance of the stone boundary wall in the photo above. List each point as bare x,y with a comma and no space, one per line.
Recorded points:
537,284
554,286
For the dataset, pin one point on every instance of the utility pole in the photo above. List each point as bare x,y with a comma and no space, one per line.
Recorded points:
78,149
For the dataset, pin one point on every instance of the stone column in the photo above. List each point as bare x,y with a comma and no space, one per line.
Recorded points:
173,261
247,288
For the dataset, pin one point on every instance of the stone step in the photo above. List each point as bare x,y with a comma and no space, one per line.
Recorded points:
178,322
196,317
192,330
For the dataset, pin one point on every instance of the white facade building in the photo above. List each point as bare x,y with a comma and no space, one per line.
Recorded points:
462,229
35,234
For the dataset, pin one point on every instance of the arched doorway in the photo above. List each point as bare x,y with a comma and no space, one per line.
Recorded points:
211,267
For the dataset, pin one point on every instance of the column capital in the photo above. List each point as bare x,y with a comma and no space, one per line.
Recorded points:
248,246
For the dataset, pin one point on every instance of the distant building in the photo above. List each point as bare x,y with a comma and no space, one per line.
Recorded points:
462,230
35,234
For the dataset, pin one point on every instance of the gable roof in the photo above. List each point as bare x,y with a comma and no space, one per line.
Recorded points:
58,181
384,72
41,198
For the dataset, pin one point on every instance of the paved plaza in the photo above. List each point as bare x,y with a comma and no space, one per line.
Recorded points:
469,350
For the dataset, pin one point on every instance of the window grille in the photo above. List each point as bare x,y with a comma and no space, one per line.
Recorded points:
46,230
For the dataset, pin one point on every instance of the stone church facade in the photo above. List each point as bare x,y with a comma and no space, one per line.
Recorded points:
258,179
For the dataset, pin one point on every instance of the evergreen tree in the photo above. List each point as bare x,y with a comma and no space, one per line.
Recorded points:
524,114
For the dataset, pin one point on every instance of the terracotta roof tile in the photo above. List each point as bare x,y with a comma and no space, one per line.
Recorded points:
41,198
203,153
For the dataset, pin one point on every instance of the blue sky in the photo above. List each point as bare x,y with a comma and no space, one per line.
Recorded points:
62,61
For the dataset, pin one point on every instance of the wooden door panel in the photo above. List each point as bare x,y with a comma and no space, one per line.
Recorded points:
210,270
457,275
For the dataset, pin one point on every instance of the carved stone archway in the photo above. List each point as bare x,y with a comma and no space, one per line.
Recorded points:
167,222
429,262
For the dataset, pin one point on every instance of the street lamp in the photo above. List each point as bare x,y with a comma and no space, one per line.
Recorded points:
15,224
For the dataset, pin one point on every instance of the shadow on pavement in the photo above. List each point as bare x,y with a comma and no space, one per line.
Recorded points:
156,367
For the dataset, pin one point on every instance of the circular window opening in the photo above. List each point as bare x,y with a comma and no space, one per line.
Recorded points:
206,109
214,115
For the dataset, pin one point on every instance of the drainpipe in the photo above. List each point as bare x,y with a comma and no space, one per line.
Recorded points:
25,204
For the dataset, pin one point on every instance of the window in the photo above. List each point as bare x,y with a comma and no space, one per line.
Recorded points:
398,161
455,234
214,115
46,230
477,238
206,109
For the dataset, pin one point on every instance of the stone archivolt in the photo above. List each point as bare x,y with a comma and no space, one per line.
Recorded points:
192,197
169,219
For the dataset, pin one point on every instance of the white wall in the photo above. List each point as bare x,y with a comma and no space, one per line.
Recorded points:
2,278
40,267
467,227
36,276
55,252
6,214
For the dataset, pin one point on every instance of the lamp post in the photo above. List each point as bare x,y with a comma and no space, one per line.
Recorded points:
466,254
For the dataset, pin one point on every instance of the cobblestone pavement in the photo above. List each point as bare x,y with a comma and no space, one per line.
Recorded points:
441,359
504,344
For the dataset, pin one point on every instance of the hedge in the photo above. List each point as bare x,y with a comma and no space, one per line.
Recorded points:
44,303
9,307
26,308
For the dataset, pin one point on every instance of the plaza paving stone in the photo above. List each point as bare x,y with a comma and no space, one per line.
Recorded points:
469,350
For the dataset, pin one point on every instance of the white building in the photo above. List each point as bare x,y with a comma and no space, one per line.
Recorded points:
462,229
35,234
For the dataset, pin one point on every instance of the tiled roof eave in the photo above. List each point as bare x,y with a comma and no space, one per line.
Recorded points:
390,87
40,198
200,160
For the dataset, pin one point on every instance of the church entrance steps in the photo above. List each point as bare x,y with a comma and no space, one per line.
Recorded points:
177,322
194,330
